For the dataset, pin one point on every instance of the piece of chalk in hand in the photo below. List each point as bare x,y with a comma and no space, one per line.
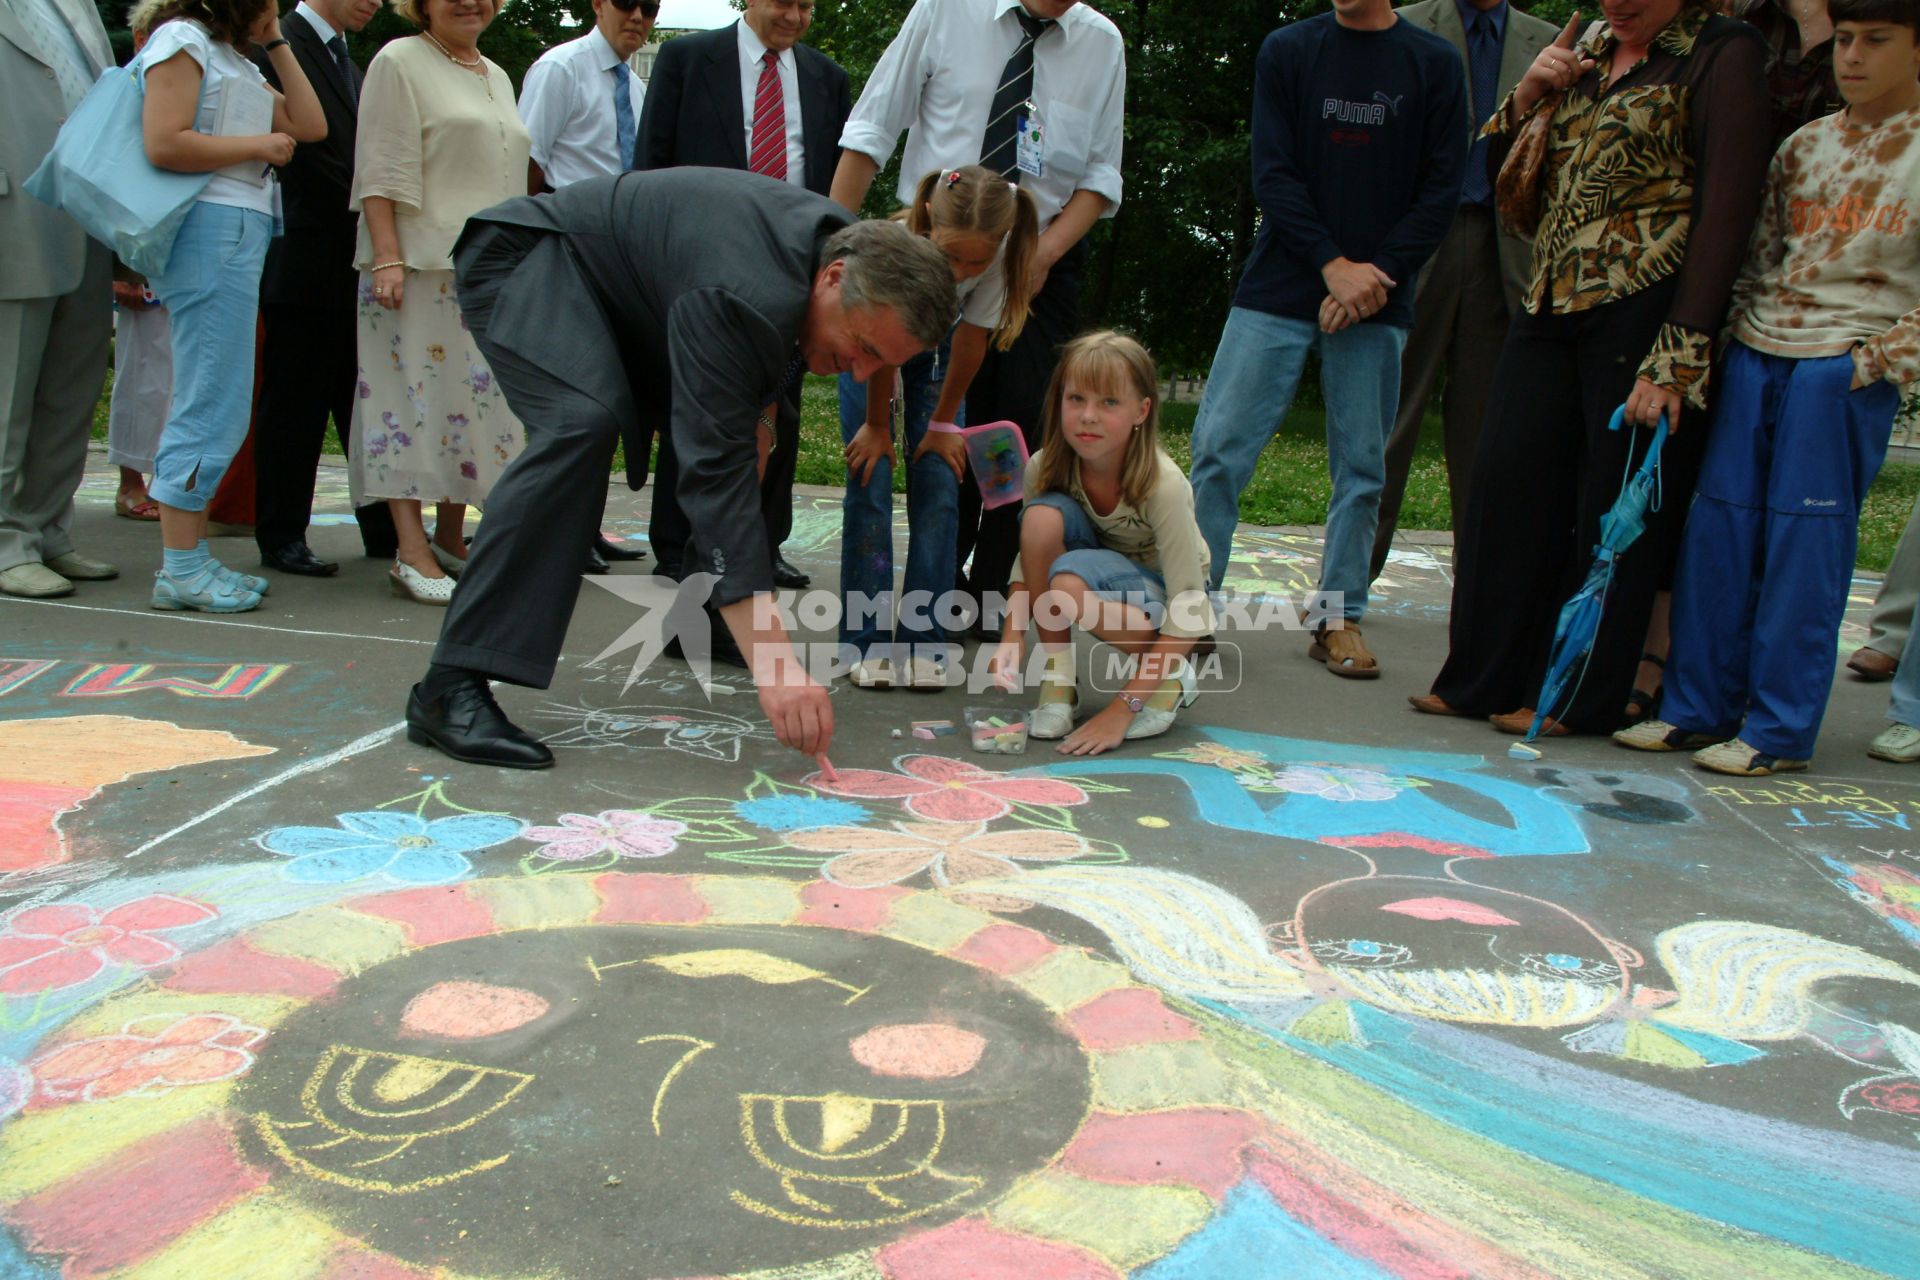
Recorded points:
826,767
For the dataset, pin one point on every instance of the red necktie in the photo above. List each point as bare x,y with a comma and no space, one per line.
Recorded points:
769,122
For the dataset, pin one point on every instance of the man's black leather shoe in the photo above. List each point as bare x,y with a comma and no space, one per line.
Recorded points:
610,550
298,557
596,563
464,721
785,575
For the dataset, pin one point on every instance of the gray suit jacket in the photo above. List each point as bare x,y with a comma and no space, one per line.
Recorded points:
1526,37
701,279
42,251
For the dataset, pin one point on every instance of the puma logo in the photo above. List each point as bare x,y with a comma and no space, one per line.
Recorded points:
1392,103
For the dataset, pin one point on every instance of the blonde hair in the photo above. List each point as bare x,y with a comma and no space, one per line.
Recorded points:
140,17
1106,362
415,11
977,201
1744,981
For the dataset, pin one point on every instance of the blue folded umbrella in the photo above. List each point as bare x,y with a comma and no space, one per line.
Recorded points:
1579,621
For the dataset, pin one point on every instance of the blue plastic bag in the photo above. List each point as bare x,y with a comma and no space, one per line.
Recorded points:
99,174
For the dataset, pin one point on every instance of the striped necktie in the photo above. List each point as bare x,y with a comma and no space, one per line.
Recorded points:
769,152
998,150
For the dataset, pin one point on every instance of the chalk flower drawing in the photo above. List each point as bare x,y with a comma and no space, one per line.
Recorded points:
1341,785
1897,1099
1218,756
65,944
944,790
149,1056
799,813
401,846
952,853
624,833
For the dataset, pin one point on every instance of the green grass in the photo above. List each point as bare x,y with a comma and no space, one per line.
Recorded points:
1290,484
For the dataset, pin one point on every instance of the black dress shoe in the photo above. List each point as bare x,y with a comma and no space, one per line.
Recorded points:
616,550
596,563
298,557
464,721
785,575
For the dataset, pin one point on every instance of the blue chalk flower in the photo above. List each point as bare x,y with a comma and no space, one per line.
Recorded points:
400,846
800,813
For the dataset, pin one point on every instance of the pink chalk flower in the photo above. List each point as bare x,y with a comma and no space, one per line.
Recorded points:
944,790
65,944
620,832
953,854
149,1056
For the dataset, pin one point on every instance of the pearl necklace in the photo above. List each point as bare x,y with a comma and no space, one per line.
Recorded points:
477,59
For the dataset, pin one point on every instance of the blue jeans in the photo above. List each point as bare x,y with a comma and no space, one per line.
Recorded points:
1249,390
211,289
866,538
1107,573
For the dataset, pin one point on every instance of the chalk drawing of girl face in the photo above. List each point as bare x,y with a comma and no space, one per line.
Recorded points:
1459,952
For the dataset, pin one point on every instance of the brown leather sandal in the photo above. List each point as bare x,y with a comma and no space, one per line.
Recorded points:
1344,653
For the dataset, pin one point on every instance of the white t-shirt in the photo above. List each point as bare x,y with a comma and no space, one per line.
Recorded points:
232,91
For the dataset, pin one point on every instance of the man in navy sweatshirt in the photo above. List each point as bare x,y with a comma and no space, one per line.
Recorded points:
1357,163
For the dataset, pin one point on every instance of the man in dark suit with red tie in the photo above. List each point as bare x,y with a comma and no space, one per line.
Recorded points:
748,96
307,302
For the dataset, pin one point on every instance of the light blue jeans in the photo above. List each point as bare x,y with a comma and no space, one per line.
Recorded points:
1107,573
1249,390
866,537
211,289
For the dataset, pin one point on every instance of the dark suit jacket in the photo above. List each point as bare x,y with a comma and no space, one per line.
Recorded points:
312,265
694,114
701,279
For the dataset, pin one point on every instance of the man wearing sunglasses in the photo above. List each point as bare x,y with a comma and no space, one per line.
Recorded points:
748,96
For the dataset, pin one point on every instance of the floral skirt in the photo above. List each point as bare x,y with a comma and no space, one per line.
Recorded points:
429,421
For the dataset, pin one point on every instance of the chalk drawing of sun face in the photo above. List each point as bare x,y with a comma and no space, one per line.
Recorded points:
690,731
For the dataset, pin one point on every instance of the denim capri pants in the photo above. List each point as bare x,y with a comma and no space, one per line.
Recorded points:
1110,575
211,288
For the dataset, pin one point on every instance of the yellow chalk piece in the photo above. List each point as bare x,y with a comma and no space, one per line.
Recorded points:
1128,1226
1153,823
112,1017
42,1148
538,902
842,1120
262,1238
342,940
1152,1077
934,923
1069,978
748,899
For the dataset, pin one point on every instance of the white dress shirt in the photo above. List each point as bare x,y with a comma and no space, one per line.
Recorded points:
937,80
751,54
567,105
321,27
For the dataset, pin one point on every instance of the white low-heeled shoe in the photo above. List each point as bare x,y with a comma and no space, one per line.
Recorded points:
924,675
1052,719
413,585
450,564
1151,722
871,673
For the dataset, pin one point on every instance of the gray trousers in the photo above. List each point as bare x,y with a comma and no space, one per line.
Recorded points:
53,359
1893,607
1459,324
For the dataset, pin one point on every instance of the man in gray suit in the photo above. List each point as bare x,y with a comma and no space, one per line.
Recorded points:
1473,283
56,287
689,296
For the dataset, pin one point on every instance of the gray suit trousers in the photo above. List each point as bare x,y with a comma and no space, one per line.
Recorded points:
53,359
1899,593
1460,324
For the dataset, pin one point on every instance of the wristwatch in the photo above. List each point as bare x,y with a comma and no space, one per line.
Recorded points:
1135,705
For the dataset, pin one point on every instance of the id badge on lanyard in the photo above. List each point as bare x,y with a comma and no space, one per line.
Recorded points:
1030,142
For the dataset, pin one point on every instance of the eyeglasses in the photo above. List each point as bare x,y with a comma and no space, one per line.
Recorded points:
647,8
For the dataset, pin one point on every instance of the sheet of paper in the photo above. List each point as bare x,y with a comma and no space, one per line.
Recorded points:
245,111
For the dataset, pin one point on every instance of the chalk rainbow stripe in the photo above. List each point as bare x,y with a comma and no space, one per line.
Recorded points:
115,679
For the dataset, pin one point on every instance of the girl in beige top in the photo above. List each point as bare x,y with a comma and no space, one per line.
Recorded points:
440,139
1108,541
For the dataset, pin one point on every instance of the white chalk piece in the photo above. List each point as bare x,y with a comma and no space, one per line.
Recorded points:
1521,751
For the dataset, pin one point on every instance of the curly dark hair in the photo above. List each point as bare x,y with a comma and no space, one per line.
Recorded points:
228,21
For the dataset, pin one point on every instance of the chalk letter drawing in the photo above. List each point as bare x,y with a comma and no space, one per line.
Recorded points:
52,765
847,1163
188,680
364,1107
15,672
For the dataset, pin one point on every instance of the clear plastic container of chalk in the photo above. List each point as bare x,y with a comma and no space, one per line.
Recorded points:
997,731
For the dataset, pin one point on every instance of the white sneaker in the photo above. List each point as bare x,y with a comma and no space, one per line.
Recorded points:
1899,743
1052,719
410,583
872,673
926,676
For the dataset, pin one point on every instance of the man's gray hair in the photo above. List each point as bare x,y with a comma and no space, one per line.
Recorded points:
889,266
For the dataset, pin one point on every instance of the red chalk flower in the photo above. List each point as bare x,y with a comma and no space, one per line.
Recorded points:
67,943
944,790
955,855
150,1055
